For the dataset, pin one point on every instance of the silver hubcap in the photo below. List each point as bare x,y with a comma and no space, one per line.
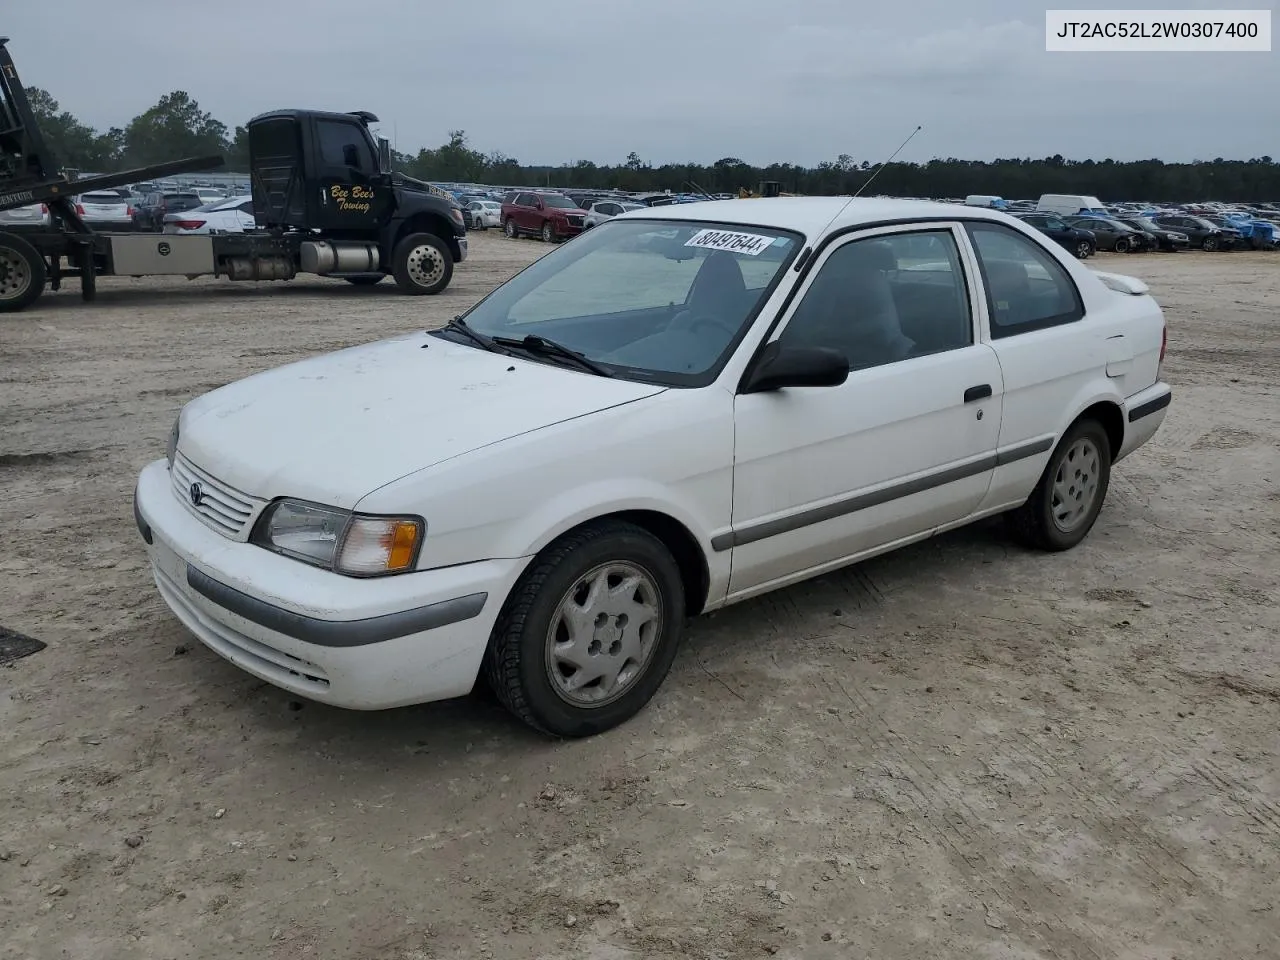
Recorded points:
1075,486
546,231
15,275
511,228
1083,250
425,265
603,634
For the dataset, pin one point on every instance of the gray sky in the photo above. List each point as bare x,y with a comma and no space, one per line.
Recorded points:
555,81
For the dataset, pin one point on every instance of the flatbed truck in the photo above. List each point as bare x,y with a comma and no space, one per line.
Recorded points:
325,201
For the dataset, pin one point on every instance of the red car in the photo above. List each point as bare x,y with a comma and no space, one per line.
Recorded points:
551,216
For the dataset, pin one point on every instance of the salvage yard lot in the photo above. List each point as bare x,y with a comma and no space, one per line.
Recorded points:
959,750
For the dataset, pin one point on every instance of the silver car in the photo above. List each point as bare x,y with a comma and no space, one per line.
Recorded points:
35,214
603,210
105,209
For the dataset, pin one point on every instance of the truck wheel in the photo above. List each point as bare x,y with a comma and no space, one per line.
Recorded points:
422,264
366,279
510,229
589,632
548,232
22,273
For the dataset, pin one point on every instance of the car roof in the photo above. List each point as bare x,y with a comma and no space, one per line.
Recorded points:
810,215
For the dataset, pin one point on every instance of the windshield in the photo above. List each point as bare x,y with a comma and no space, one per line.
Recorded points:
662,301
552,200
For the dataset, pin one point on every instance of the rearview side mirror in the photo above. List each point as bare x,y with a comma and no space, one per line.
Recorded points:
779,367
384,155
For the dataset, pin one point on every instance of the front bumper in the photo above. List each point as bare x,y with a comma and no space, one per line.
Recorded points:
359,644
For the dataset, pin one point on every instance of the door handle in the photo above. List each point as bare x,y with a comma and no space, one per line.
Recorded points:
977,393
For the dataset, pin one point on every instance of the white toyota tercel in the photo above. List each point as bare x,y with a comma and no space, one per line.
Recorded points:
682,408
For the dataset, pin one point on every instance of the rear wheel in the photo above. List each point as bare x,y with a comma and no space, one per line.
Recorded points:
22,273
589,632
1084,250
1065,503
510,229
422,264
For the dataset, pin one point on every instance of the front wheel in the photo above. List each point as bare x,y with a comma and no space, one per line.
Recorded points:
1065,503
589,632
1123,245
22,273
1210,244
548,232
422,264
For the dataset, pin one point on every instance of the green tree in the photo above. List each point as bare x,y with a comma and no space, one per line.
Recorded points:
174,128
75,145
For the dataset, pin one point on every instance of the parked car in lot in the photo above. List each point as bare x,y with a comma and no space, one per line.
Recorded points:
230,215
550,216
1082,243
210,194
1201,232
155,206
684,407
34,215
1111,234
106,210
603,210
1165,238
483,214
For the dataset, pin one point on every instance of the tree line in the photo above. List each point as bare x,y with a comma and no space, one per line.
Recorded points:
176,127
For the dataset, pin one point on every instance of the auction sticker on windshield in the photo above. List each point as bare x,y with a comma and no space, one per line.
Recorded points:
752,244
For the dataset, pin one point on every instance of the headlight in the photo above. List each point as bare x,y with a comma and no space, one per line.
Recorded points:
353,544
171,450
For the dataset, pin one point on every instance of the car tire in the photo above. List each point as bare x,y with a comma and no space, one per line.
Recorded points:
1065,503
548,232
366,279
528,652
23,273
1209,244
422,264
510,228
1084,250
1123,245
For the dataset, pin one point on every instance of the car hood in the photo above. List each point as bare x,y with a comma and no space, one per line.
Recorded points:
335,427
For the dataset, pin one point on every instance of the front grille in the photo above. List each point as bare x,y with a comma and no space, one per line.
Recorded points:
221,506
574,220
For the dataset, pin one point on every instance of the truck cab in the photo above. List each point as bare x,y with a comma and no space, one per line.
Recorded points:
324,172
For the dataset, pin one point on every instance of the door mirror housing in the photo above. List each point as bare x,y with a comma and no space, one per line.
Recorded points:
779,367
384,155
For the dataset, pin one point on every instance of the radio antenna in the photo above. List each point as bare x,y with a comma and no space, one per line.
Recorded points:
874,174
877,170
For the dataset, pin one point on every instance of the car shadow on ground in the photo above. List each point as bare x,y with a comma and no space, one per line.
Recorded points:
449,730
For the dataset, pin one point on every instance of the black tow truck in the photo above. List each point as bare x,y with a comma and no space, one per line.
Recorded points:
325,202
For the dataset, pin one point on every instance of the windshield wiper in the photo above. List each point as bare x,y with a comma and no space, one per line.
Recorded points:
536,344
458,325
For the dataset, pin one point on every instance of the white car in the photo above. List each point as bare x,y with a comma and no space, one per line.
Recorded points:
229,215
682,408
105,209
603,210
483,214
210,194
33,214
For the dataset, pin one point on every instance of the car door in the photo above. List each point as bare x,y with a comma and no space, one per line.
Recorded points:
1048,350
526,210
904,446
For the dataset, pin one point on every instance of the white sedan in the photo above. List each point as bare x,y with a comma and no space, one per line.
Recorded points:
483,214
228,215
685,407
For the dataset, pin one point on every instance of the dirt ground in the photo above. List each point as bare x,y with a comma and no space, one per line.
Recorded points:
962,750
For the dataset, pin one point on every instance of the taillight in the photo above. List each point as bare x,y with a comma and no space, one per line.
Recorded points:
79,210
128,211
188,224
44,208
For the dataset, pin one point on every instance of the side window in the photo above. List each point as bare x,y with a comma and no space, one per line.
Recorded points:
883,299
343,145
1055,224
247,206
526,200
1027,289
611,209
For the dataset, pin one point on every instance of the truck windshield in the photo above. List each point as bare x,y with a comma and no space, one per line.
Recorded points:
661,301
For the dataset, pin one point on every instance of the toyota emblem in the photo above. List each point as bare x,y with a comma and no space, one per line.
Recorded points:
197,494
